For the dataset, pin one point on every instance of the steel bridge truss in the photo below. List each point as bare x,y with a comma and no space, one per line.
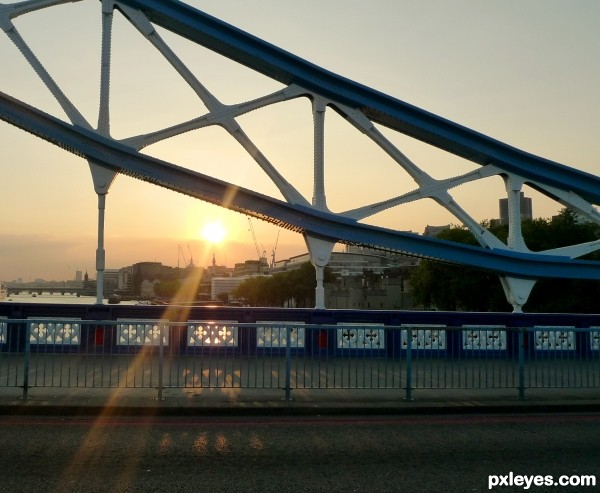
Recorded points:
362,107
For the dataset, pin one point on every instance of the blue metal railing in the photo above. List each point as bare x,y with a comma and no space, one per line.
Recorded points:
136,353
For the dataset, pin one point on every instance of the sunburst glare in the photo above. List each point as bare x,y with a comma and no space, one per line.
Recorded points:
214,232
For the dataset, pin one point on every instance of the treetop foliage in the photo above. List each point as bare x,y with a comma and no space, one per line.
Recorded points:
452,287
281,288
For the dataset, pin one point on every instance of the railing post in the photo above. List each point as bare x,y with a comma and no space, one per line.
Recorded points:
161,347
288,363
26,361
521,339
409,396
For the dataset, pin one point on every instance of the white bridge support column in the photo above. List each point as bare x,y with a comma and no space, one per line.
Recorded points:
100,252
517,291
514,185
319,199
102,178
320,254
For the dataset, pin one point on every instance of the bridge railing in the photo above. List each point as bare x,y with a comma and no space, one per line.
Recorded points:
134,353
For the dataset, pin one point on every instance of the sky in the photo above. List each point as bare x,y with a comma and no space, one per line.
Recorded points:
523,72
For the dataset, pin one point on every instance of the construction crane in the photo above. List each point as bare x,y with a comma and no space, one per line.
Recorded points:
180,254
262,258
274,249
191,264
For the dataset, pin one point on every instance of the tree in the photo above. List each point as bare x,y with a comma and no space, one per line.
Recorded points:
452,287
168,289
252,290
298,285
223,297
455,287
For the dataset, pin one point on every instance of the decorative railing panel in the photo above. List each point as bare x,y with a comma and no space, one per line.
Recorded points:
554,338
55,332
357,336
595,341
425,336
275,336
484,337
3,330
204,333
141,333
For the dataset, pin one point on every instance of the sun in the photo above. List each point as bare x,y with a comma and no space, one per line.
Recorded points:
214,232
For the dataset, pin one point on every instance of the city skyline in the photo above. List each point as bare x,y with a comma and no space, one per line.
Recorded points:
526,74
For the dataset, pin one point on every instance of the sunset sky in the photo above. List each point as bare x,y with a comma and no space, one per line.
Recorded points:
524,72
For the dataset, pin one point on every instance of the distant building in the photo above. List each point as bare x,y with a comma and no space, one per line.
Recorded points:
78,276
147,289
111,281
387,291
152,271
218,270
366,278
88,285
250,268
224,285
352,262
144,271
433,231
526,209
125,277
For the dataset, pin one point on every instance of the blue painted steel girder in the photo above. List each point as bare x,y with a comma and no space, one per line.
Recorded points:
114,155
280,65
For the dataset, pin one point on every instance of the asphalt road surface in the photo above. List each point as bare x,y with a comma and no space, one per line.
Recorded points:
295,454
